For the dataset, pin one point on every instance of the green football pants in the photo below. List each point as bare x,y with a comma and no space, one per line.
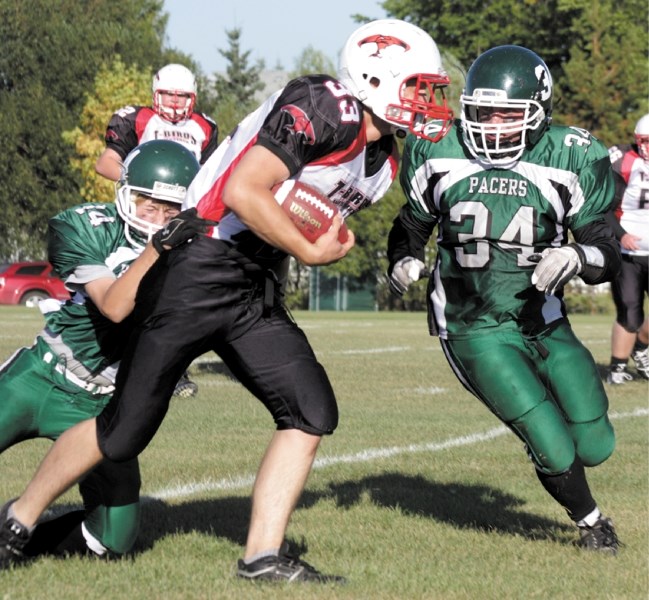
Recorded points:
546,389
36,401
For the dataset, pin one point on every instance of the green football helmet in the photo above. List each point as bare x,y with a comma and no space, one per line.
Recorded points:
505,78
161,170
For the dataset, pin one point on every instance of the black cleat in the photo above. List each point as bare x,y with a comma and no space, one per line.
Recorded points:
185,388
601,537
283,567
13,538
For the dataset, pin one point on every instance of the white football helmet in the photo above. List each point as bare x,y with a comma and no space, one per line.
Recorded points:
642,137
380,59
174,79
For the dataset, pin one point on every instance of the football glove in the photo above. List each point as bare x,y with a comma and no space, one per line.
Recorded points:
182,228
556,267
406,271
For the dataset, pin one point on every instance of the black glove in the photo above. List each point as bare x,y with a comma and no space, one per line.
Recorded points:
180,229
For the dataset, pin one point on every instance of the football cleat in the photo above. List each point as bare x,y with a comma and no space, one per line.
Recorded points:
283,567
185,388
601,537
641,360
618,374
13,538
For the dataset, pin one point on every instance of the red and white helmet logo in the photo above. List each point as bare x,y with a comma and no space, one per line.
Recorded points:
382,42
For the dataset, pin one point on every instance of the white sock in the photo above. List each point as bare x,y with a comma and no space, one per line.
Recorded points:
590,519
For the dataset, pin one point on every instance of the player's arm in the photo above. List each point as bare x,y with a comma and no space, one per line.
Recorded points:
406,250
109,164
212,141
120,138
601,254
248,194
115,298
412,227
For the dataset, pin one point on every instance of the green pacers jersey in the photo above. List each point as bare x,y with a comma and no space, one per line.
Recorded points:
489,220
85,243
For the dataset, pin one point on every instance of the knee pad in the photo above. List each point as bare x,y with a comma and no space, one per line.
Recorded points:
594,441
548,438
312,407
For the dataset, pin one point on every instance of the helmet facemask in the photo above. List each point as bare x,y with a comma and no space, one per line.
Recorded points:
177,81
139,231
422,108
159,170
500,143
641,133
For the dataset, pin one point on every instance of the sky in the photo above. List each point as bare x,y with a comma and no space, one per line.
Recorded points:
274,31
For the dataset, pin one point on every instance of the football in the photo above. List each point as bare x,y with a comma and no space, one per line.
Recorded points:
311,212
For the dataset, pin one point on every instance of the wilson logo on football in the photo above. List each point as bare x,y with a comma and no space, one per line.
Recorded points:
304,215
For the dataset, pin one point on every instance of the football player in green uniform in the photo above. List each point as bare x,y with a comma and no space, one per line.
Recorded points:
101,251
504,189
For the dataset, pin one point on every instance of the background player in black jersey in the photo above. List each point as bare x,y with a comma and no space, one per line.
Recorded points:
630,223
171,117
503,189
336,135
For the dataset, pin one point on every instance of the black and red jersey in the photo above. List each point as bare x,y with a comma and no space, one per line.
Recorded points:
631,194
134,125
315,126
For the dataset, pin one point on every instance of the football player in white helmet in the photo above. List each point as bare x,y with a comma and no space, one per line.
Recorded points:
630,224
171,117
373,66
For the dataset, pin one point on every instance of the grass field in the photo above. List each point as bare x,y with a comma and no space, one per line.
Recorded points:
420,494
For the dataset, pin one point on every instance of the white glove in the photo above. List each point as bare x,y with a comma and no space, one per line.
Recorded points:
557,266
406,271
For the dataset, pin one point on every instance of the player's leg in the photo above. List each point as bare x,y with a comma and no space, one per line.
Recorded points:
500,369
109,523
640,352
628,290
574,382
519,396
276,363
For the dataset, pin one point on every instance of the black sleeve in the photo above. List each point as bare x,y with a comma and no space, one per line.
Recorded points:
306,122
212,141
615,225
598,234
408,237
121,135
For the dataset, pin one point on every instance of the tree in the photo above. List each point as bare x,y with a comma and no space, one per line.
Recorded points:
596,50
236,90
312,61
51,52
610,44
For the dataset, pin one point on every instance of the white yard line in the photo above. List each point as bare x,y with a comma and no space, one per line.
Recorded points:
370,454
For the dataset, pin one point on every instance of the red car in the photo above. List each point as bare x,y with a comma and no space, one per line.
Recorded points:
28,283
